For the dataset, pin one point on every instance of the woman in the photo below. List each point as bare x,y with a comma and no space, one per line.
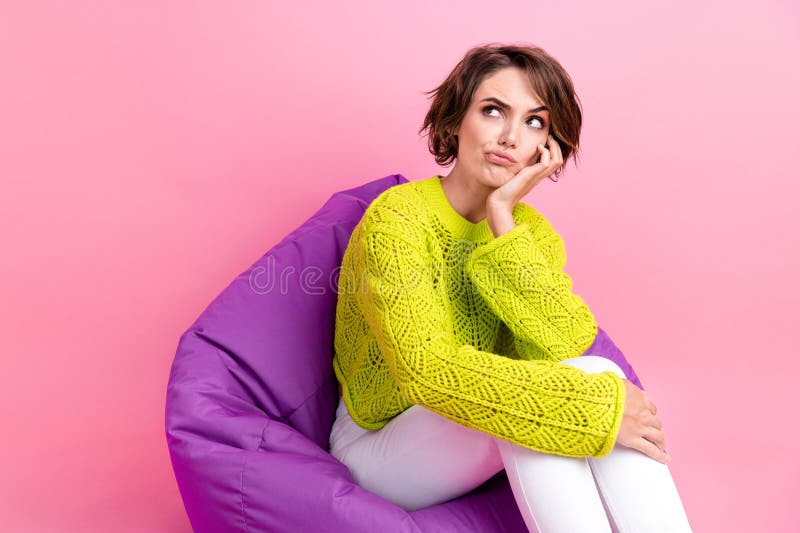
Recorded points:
458,338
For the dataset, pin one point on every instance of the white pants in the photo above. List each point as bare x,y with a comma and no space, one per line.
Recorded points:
421,459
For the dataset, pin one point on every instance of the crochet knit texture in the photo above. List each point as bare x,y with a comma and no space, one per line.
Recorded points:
434,310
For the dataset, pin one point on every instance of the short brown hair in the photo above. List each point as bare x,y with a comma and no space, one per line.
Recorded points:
549,80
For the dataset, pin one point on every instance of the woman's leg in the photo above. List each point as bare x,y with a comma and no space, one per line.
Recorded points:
637,490
418,459
554,493
421,458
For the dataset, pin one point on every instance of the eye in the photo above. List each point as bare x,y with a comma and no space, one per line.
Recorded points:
488,107
541,122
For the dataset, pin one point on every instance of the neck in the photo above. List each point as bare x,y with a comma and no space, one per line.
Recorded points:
466,196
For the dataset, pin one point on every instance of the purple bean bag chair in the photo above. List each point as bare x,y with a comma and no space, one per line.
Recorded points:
252,396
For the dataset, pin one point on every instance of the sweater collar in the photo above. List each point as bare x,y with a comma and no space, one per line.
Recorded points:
452,219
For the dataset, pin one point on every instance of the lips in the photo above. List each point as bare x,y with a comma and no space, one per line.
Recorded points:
500,158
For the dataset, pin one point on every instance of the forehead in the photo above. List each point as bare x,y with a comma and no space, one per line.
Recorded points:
511,85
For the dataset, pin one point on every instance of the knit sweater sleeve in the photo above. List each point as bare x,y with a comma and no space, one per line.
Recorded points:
540,405
520,274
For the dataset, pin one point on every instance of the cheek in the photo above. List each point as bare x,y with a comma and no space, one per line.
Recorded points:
534,153
531,159
473,132
468,145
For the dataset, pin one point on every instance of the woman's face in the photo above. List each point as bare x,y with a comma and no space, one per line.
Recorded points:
504,115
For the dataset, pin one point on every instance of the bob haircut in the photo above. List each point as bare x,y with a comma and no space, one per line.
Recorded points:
550,82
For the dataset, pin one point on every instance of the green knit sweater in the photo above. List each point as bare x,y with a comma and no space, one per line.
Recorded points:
434,310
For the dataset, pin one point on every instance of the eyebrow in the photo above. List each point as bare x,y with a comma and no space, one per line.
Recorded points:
506,106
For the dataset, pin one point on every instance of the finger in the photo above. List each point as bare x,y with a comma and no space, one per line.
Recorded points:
534,175
545,159
553,166
555,150
556,159
655,436
651,450
654,421
524,180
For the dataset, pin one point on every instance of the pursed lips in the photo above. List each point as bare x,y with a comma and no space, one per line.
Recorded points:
500,158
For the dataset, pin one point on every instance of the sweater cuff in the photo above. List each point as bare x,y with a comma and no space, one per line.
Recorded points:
613,432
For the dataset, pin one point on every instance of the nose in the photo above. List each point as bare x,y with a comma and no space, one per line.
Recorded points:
508,137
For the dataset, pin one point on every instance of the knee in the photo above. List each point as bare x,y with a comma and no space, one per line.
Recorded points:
594,364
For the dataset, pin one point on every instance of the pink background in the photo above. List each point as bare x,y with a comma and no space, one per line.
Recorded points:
151,152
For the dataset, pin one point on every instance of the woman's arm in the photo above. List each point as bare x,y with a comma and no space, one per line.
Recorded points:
551,245
524,401
520,276
520,272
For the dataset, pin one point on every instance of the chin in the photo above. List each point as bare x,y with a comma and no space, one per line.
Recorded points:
501,174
